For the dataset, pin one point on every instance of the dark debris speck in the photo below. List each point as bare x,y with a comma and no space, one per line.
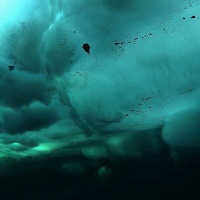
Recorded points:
86,47
11,67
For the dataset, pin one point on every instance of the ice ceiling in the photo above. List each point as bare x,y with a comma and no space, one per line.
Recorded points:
136,90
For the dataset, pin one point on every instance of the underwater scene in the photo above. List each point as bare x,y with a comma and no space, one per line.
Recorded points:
99,99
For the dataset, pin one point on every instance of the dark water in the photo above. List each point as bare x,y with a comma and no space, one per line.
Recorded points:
156,178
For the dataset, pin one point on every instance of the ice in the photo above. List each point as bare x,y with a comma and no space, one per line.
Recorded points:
138,81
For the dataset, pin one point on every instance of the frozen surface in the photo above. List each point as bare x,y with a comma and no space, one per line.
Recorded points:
135,93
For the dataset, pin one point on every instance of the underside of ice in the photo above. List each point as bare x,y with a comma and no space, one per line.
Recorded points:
133,90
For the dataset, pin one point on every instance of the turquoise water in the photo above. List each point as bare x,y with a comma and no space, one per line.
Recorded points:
99,96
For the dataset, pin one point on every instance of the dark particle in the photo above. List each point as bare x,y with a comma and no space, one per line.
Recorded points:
126,115
117,43
86,47
11,67
183,17
148,98
193,16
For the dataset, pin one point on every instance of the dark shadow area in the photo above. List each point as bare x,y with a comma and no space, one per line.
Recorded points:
131,178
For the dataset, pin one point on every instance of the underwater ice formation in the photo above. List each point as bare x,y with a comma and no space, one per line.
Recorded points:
136,92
